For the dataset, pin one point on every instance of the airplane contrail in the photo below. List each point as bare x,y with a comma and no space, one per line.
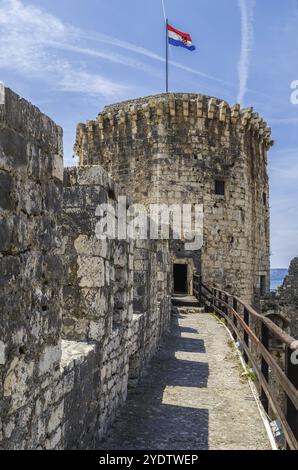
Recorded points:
164,10
247,35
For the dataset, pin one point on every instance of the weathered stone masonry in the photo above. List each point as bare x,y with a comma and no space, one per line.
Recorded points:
31,173
79,319
103,280
283,304
171,149
288,298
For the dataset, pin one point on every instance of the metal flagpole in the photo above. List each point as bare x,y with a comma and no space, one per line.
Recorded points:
167,58
167,45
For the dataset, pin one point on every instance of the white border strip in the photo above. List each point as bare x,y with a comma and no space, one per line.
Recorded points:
2,93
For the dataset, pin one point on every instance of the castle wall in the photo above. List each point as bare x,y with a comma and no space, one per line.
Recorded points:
31,173
99,273
70,340
98,298
282,305
288,298
106,300
171,149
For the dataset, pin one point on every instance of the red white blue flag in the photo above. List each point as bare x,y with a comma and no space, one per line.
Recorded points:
179,39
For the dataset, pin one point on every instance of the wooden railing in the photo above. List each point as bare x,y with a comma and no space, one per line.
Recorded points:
255,333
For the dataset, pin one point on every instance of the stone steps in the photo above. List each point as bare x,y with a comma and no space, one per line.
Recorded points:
186,304
190,310
185,301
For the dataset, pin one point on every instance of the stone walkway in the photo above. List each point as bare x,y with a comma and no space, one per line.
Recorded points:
193,397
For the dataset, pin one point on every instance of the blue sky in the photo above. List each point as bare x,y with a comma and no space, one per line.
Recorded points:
71,58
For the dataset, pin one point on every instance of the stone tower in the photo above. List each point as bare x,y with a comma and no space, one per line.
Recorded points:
189,148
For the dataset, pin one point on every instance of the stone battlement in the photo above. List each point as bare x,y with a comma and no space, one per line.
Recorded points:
180,148
129,117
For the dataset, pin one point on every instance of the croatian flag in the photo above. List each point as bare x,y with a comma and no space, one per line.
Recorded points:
177,38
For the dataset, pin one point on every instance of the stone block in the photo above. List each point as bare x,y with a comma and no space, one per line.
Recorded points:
13,145
56,418
6,186
91,271
50,357
57,167
2,353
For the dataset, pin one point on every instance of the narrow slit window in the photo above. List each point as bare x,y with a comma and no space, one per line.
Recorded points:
262,286
220,187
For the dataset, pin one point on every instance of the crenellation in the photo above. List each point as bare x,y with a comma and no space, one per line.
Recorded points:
223,112
235,113
212,108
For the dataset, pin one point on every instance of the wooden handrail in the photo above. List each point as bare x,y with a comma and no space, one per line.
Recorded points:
288,340
243,330
273,402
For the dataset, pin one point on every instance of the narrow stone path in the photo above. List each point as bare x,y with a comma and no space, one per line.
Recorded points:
193,397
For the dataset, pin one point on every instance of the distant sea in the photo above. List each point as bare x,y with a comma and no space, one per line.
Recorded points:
277,277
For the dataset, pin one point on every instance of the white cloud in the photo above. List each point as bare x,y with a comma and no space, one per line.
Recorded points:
286,173
284,121
163,10
83,82
108,56
28,39
112,41
31,38
31,41
247,34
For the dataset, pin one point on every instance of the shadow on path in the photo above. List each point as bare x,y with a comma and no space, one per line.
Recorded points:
161,412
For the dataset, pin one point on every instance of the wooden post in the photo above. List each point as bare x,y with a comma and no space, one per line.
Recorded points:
264,366
227,310
246,337
213,300
235,306
200,291
292,374
219,300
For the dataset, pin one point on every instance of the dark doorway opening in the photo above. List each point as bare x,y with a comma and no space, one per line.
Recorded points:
180,279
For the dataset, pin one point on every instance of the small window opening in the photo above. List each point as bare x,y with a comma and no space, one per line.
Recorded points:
220,187
111,194
265,199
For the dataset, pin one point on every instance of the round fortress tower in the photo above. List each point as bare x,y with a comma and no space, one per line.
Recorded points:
189,148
